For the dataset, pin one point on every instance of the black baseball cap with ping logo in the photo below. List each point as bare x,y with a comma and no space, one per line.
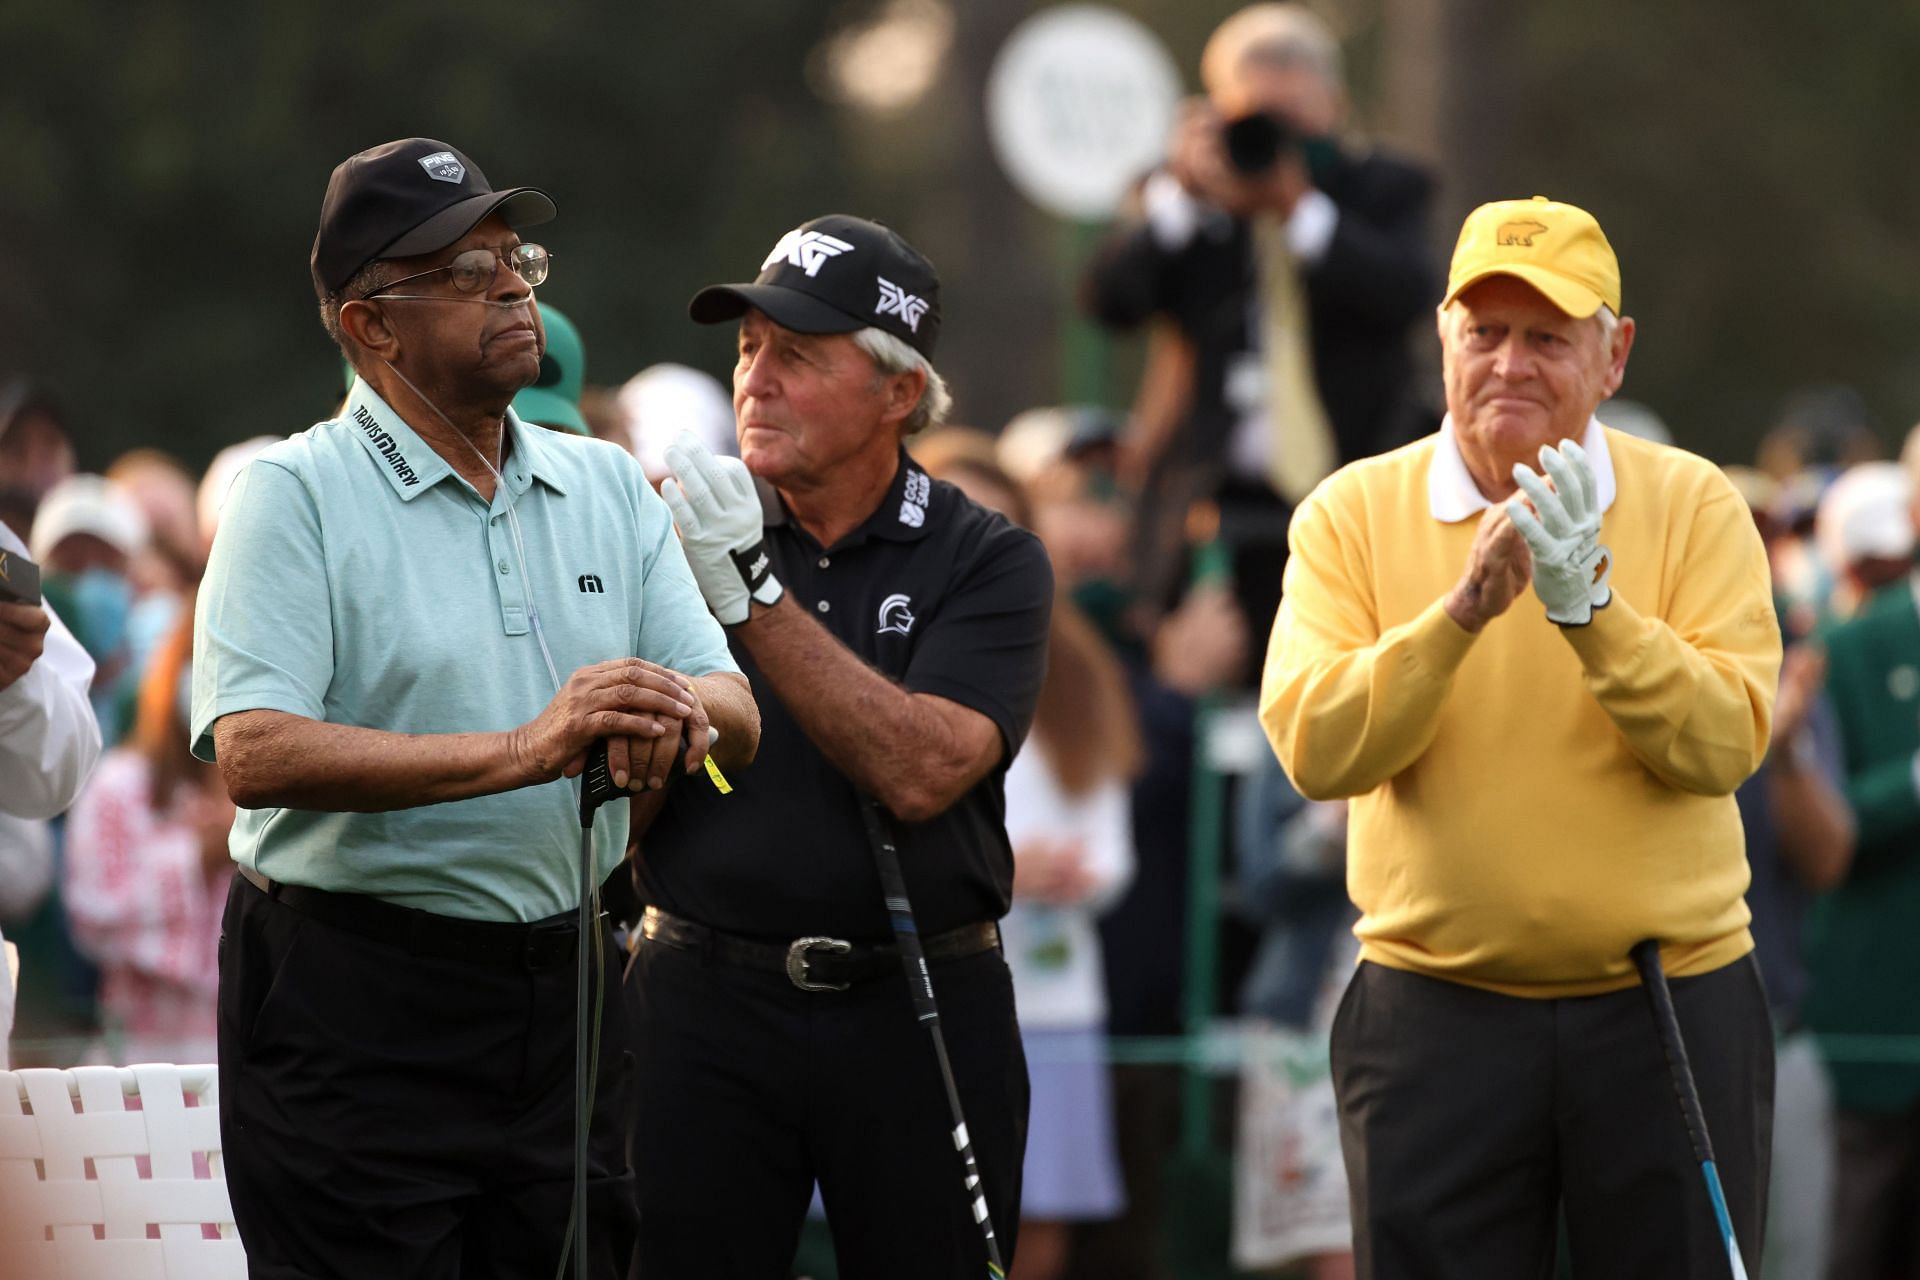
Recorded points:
837,274
405,198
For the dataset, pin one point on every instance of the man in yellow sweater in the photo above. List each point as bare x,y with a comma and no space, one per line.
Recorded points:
1535,791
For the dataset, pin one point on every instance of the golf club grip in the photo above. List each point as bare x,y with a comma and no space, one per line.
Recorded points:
1646,958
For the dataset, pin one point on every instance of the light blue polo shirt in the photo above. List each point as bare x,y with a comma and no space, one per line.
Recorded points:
357,579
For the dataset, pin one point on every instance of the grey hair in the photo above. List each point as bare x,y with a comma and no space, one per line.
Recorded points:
890,355
1604,318
1275,35
1609,325
368,279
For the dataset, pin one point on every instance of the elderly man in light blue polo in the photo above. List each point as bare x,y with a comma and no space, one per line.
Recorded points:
417,620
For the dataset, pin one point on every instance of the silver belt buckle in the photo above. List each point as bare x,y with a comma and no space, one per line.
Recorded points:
797,961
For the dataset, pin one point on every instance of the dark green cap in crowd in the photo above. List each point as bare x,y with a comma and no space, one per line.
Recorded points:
554,400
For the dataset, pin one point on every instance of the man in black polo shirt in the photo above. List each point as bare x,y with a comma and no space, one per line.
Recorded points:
895,634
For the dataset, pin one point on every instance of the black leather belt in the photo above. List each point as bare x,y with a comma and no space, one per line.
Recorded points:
496,944
813,963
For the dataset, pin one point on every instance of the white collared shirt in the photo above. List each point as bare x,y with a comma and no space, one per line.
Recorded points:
1175,216
1453,496
49,739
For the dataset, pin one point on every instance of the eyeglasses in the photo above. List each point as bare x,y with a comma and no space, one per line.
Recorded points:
475,270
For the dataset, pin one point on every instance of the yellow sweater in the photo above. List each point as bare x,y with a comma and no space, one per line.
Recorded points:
1531,801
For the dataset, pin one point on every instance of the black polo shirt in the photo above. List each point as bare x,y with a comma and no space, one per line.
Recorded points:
936,593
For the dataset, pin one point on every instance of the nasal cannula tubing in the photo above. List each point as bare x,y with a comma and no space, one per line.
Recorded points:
589,909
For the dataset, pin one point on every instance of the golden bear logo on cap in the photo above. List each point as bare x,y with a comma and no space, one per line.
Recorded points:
1557,248
1520,232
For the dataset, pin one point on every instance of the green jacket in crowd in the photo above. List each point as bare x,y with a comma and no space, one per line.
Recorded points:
1863,938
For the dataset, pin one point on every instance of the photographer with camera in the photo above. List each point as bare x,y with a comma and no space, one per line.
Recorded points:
1289,268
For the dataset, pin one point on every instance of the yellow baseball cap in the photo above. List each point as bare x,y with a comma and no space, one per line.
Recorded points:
1557,248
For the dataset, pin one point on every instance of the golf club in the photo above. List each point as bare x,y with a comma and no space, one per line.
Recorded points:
906,935
1646,958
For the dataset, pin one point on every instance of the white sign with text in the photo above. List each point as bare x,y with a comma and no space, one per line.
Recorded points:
1079,104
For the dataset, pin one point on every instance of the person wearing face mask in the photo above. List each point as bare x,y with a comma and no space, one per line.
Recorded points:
146,870
416,621
85,536
1287,267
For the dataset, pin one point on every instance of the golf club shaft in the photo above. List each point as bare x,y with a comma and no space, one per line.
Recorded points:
1646,958
596,788
582,1091
913,959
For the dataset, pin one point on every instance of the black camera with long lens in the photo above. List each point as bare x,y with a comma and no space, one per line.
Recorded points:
1256,142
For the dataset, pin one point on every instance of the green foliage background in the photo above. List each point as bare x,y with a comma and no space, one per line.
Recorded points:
164,165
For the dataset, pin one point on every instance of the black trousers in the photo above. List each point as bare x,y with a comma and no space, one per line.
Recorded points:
748,1089
387,1113
1469,1119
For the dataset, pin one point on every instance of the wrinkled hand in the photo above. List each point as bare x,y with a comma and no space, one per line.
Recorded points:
1803,671
1202,644
1197,158
1314,840
1053,872
650,761
627,698
23,637
1498,568
1561,524
1196,155
717,510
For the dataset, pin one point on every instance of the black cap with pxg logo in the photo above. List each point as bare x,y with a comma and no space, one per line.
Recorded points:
837,274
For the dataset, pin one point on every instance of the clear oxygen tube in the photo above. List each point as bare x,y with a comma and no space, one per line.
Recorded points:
589,795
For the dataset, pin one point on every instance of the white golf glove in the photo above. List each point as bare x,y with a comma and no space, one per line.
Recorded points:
721,529
1570,567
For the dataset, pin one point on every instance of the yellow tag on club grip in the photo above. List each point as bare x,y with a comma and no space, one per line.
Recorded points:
720,782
